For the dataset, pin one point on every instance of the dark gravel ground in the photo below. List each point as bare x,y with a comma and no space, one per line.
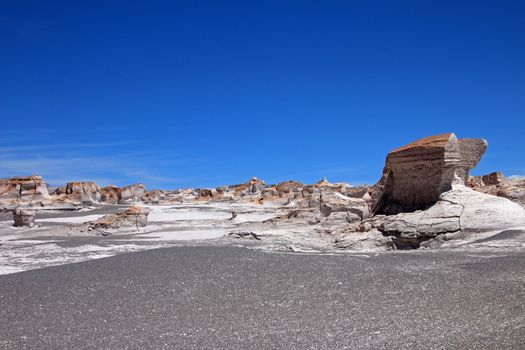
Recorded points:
237,298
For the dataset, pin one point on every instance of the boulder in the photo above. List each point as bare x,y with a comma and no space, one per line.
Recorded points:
132,193
154,196
133,217
416,175
323,183
308,191
475,181
340,187
270,193
204,193
60,190
356,192
495,178
137,215
288,187
110,194
297,194
23,217
253,186
86,192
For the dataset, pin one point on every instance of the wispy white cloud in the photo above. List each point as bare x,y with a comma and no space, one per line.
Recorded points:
107,162
64,148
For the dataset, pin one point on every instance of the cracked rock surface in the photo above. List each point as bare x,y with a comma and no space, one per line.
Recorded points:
458,212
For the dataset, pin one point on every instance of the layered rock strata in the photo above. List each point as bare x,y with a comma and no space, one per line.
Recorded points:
24,188
416,175
423,199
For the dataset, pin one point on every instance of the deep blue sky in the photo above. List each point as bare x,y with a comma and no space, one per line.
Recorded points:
197,93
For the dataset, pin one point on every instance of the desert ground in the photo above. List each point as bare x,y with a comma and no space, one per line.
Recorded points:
223,297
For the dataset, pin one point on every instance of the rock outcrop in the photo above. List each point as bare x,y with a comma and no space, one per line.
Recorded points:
422,199
287,187
497,185
134,217
334,202
495,178
205,194
323,183
256,185
24,188
458,213
59,190
475,181
110,194
270,193
87,193
371,240
23,217
132,194
28,191
251,187
154,196
416,175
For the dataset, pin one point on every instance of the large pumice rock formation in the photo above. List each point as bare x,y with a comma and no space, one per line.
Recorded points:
424,200
416,175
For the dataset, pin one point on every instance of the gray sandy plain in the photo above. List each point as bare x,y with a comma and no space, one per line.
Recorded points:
290,290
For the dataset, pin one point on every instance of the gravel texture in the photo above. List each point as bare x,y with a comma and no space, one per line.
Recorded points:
238,298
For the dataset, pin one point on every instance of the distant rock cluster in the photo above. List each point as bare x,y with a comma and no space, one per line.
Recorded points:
33,192
497,185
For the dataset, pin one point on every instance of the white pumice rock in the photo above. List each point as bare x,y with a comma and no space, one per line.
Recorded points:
459,213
